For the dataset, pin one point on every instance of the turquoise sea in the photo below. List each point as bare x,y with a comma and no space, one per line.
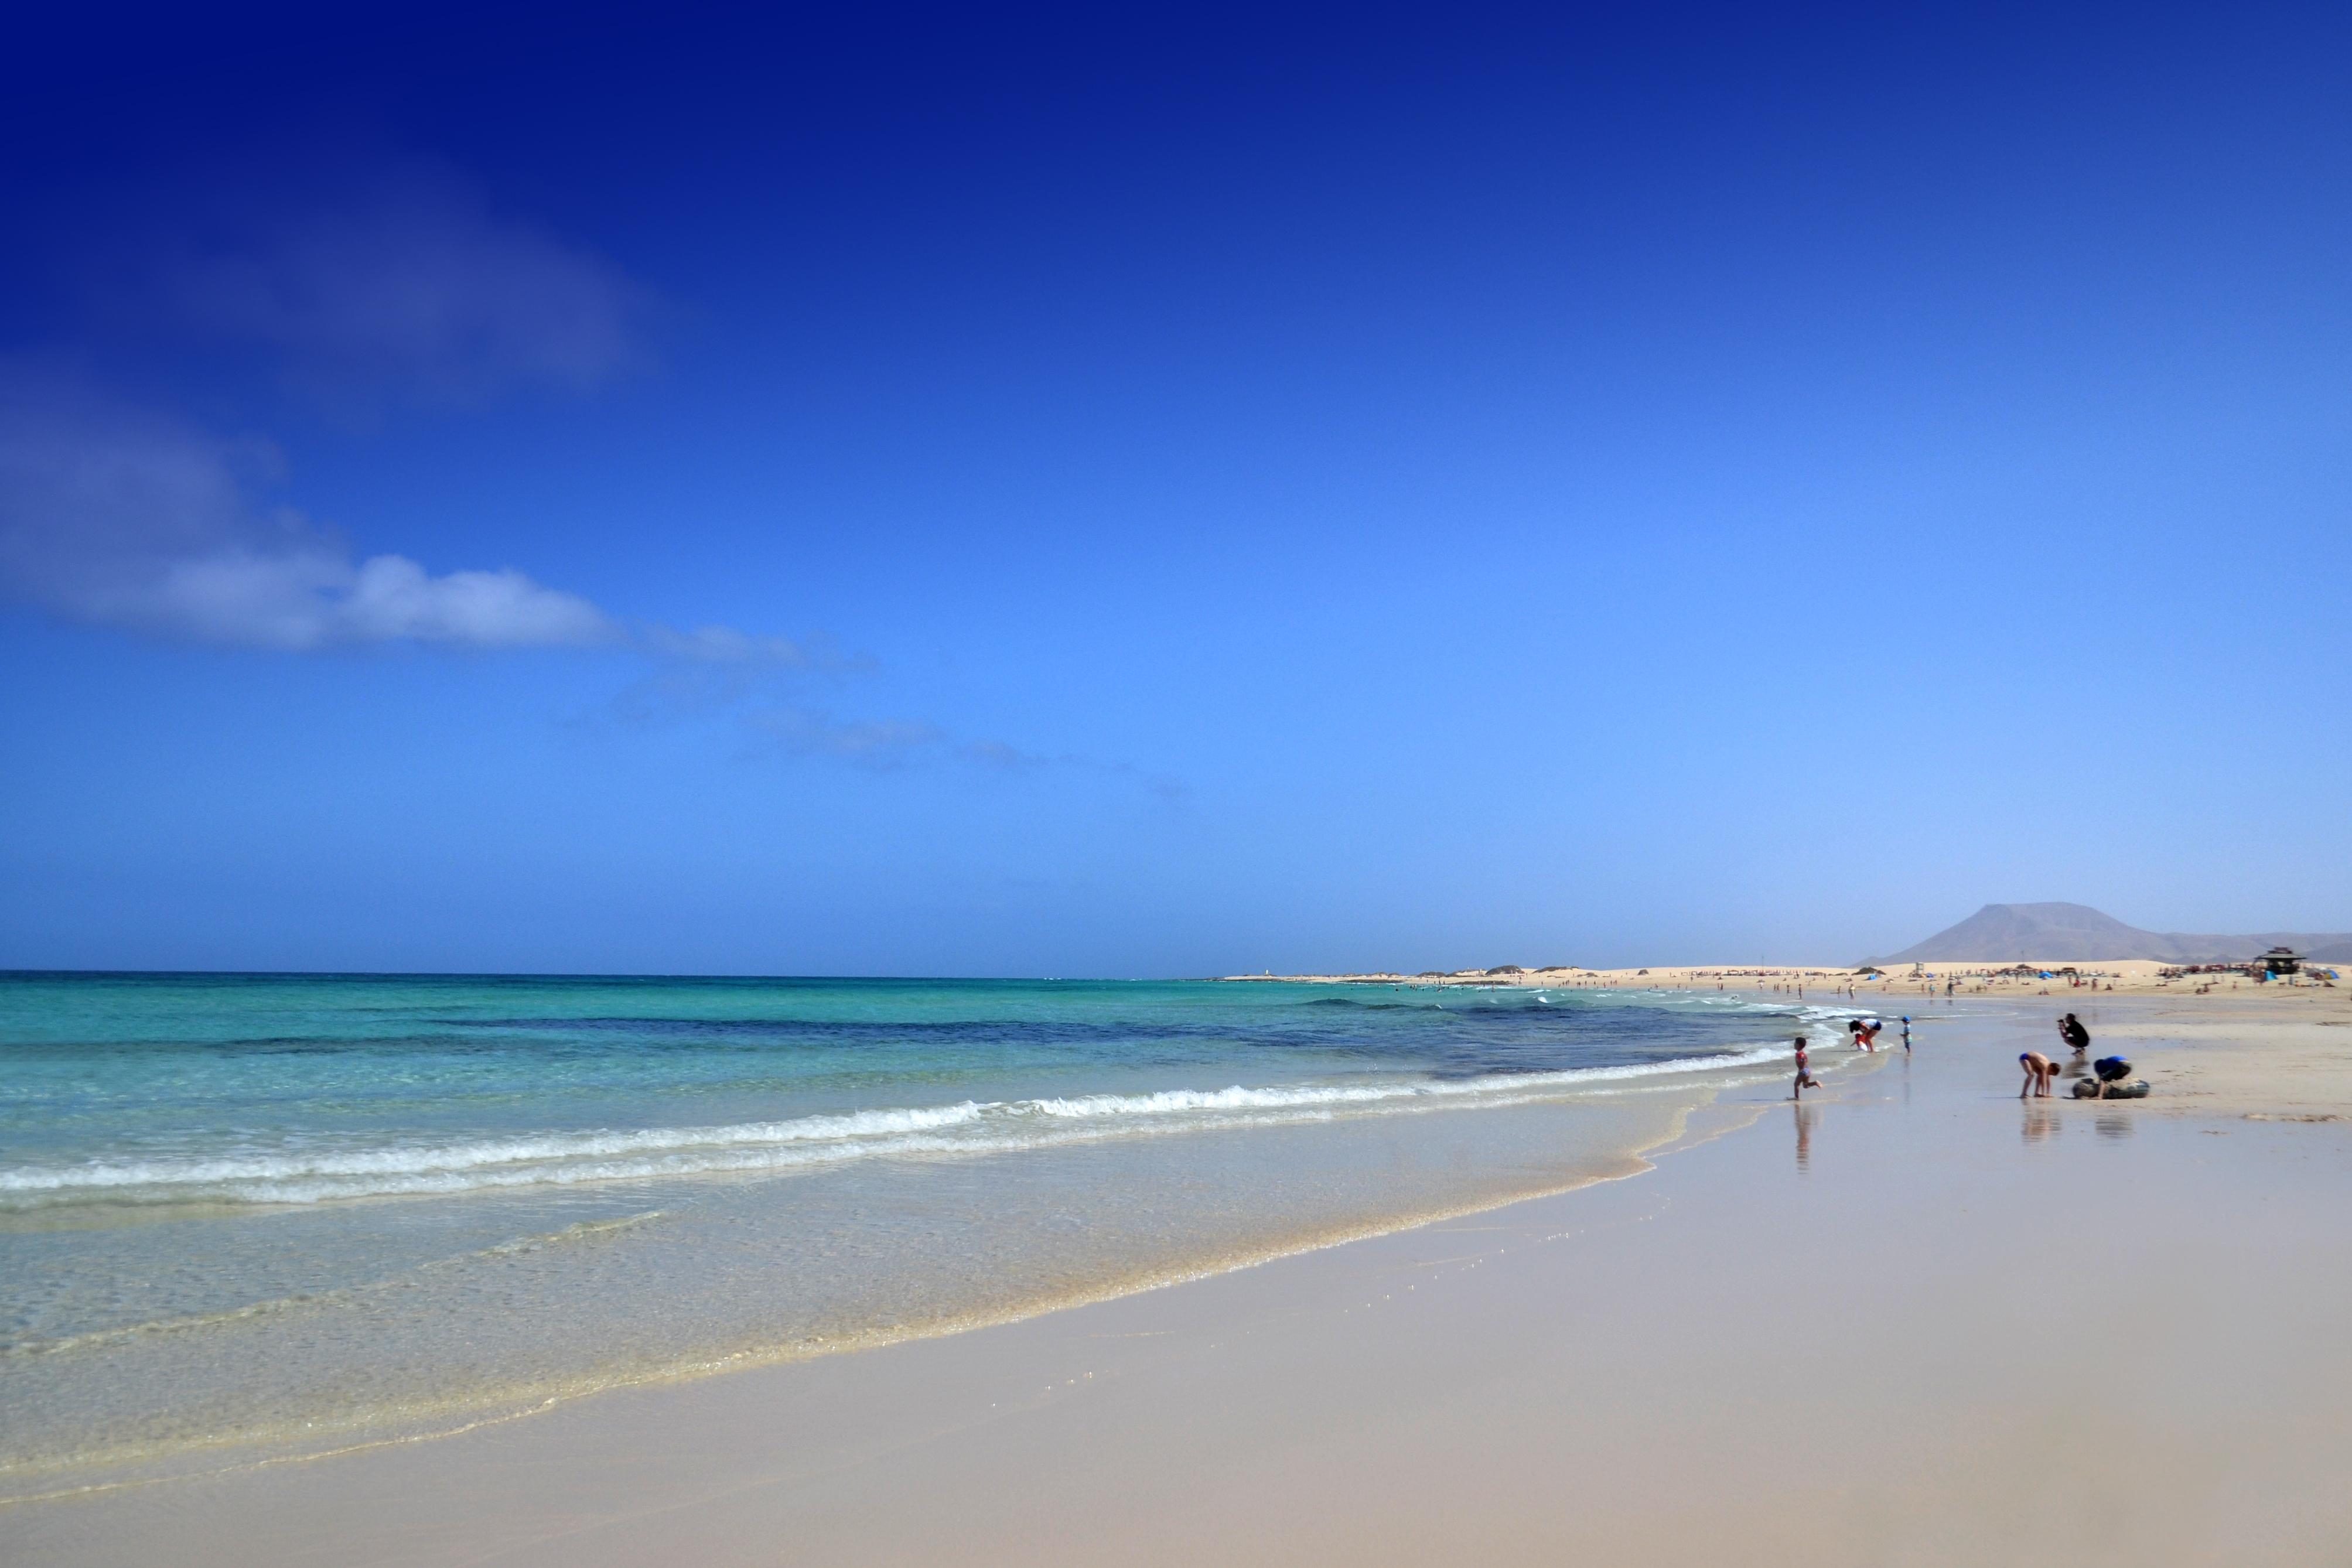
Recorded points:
249,1215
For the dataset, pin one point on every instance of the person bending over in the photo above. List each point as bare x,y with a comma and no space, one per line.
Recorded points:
1864,1031
2039,1070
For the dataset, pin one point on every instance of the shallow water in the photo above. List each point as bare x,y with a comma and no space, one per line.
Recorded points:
251,1214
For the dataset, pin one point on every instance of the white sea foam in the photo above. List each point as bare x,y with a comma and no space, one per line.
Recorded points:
301,1176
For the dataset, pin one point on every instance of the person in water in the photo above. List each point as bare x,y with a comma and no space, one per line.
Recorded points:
1907,1032
2039,1070
2071,1030
1805,1078
1865,1031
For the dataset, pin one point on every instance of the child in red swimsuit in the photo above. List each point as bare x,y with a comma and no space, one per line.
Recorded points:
1805,1078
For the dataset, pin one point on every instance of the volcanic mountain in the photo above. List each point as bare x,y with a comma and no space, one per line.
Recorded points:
2010,933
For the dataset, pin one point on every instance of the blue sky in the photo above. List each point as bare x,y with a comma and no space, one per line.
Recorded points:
1166,492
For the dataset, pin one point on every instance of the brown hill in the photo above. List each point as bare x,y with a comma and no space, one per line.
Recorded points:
2008,933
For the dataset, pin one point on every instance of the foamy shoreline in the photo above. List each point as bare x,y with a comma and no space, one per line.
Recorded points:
2023,1300
430,1283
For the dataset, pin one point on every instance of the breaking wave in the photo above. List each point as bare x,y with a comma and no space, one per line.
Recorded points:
297,1175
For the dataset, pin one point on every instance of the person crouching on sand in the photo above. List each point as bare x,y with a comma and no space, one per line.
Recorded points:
1805,1078
2071,1030
2039,1070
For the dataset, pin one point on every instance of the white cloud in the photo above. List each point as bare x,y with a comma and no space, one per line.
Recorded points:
315,597
122,518
400,282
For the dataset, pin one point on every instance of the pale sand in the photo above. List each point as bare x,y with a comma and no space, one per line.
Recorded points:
1904,984
1912,1322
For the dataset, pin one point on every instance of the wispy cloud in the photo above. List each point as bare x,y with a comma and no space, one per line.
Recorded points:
890,745
883,744
124,516
726,645
792,712
403,287
403,282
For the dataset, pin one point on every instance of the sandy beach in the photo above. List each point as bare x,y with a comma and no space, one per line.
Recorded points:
1912,1321
659,669
2041,977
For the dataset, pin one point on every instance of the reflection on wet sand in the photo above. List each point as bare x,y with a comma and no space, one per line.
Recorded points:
2040,1119
1805,1115
2114,1124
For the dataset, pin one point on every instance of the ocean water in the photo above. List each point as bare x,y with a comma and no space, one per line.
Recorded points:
249,1216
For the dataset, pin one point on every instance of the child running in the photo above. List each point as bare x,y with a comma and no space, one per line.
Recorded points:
1805,1078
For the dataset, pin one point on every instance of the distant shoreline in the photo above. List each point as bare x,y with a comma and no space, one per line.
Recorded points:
2051,975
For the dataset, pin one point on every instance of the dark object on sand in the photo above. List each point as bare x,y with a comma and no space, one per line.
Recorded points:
2116,1089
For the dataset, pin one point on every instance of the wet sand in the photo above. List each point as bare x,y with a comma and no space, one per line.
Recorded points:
1915,1321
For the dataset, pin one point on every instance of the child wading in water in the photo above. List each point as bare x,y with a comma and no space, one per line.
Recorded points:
1805,1078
